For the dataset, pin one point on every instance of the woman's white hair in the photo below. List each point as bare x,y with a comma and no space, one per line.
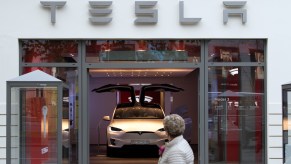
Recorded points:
174,125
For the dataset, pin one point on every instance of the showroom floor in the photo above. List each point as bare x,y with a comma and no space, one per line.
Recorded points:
98,156
103,159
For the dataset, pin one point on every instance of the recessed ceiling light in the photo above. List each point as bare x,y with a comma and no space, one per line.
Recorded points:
139,71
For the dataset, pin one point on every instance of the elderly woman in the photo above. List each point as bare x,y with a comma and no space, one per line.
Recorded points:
177,150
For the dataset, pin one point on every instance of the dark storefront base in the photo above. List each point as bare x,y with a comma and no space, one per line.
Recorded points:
129,155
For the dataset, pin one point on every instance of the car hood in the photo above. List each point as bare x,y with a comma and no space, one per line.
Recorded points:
138,124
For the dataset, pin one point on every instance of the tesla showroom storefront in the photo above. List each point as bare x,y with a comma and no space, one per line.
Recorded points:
220,96
125,65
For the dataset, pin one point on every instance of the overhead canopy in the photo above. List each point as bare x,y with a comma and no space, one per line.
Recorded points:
35,76
286,86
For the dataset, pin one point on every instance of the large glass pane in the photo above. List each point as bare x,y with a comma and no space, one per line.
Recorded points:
70,109
143,51
236,115
49,51
184,103
236,51
34,125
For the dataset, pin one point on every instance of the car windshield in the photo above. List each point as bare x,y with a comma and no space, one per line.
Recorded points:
138,113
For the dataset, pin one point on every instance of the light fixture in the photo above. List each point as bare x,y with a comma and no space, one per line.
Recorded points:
146,99
65,99
286,124
181,46
233,71
107,47
133,72
141,45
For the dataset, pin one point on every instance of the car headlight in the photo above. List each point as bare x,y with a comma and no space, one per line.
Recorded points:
115,129
161,130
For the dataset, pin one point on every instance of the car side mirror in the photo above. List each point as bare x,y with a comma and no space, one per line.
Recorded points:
106,118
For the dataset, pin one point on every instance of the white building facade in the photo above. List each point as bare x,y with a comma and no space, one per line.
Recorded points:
264,25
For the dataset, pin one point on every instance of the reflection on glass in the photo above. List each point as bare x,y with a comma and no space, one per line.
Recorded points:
143,50
259,72
236,105
70,109
34,125
236,51
49,51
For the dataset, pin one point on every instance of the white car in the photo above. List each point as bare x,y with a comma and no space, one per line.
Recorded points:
136,123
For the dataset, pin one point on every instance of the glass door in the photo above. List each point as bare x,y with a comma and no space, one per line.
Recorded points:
38,124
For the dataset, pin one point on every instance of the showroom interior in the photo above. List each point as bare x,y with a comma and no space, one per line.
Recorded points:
184,103
222,81
137,52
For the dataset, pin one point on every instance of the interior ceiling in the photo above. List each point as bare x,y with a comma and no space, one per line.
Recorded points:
139,72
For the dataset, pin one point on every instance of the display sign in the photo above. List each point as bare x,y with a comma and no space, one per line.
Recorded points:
145,11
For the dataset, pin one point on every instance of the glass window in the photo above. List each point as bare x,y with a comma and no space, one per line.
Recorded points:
143,51
49,51
70,108
236,51
236,107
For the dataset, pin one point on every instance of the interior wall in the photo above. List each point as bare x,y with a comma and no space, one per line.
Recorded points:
101,104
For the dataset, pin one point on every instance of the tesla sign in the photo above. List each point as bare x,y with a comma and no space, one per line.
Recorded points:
145,11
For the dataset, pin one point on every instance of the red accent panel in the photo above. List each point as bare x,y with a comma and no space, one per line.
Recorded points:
259,116
35,140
